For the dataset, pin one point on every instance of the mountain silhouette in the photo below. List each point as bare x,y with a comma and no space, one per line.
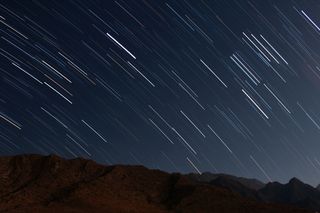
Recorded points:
34,183
295,192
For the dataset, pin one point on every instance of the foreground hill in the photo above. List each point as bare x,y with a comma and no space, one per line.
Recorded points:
33,183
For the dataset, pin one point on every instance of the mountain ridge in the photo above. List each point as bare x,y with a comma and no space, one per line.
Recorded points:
35,183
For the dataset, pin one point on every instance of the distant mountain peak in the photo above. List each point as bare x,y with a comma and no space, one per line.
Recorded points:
208,177
295,180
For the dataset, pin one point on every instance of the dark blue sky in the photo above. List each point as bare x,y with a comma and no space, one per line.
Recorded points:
188,86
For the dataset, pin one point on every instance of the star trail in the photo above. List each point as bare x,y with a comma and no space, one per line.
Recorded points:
184,86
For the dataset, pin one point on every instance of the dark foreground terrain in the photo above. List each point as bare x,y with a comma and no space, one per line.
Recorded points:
34,183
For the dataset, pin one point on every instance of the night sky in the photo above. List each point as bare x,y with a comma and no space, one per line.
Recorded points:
184,86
